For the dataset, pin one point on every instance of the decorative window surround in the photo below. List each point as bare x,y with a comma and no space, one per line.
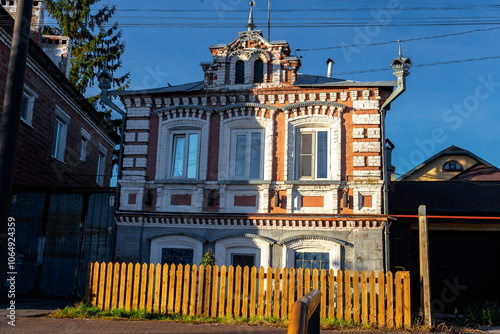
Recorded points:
245,121
164,149
175,241
314,244
248,244
332,124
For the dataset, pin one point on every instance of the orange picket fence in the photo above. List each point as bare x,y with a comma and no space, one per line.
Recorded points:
367,298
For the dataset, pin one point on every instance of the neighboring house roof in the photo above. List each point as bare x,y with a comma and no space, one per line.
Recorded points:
189,87
444,196
450,151
479,172
51,69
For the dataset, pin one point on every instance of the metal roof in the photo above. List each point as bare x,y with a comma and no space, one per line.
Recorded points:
306,80
189,87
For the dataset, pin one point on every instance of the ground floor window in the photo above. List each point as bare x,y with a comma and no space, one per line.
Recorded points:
177,256
243,260
312,260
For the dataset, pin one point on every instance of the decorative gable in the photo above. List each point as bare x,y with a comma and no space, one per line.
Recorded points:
250,61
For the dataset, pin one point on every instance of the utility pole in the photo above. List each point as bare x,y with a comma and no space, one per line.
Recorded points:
425,286
11,115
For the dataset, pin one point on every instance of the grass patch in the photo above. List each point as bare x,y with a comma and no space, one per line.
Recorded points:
85,311
484,314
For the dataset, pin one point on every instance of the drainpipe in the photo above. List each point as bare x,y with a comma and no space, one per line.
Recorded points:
401,67
105,84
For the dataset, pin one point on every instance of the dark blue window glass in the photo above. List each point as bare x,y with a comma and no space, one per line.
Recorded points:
177,256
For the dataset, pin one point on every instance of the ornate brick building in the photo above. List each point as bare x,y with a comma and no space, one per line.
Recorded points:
259,163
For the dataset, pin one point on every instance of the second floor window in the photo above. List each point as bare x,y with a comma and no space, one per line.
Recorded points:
240,72
258,73
313,154
185,152
246,154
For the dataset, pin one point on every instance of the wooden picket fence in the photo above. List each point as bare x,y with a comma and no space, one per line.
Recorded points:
380,300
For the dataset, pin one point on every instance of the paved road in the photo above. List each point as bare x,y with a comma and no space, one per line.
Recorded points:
81,326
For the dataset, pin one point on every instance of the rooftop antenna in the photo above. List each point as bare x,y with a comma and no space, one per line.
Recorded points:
268,20
250,24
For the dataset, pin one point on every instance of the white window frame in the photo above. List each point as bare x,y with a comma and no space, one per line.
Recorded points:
59,137
85,136
232,155
315,132
171,153
31,96
101,165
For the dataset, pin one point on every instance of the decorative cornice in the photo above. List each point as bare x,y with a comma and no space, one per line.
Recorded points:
176,107
265,222
178,233
314,237
247,104
245,235
311,103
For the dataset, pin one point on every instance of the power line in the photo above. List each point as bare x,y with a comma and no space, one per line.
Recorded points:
406,40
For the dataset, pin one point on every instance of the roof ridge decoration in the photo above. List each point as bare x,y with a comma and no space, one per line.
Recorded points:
250,25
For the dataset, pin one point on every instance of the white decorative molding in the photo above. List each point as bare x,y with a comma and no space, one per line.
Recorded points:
335,251
224,248
175,241
366,104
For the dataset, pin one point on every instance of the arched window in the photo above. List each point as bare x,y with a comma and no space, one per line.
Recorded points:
452,166
240,72
258,71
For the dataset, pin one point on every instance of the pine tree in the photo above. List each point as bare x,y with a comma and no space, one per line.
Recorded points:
95,42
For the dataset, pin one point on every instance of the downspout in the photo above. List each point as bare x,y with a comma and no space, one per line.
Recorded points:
401,67
105,84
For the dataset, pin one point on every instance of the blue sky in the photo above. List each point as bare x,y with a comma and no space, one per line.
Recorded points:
445,104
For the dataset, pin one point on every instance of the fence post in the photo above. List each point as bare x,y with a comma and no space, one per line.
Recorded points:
425,289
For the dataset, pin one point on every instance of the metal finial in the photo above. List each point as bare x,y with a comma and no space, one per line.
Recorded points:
400,53
250,25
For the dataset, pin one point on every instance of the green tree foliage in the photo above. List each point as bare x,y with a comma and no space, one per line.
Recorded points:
96,43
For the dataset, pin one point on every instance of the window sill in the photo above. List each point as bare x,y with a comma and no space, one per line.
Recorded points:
27,123
313,182
58,160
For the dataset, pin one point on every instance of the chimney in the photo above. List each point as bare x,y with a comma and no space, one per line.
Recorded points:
330,63
37,17
59,49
